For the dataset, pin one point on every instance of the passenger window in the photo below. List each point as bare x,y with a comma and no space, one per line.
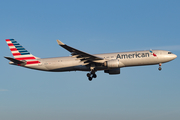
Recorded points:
169,52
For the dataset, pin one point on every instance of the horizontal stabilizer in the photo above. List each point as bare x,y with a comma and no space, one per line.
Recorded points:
16,61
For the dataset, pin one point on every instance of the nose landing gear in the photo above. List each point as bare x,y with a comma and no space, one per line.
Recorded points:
160,67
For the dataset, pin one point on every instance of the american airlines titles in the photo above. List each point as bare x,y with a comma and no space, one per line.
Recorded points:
135,55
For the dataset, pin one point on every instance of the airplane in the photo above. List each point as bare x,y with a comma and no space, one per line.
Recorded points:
82,61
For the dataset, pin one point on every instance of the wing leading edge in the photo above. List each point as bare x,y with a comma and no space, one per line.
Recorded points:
84,57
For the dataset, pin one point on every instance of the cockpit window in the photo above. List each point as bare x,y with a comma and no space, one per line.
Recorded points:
169,52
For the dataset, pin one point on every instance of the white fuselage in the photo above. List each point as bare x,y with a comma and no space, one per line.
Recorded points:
124,59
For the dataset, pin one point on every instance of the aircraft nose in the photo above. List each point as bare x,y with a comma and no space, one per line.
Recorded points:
174,56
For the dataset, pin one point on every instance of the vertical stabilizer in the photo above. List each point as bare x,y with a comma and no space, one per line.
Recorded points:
20,53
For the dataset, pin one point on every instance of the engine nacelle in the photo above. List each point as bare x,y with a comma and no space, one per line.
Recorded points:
113,64
113,71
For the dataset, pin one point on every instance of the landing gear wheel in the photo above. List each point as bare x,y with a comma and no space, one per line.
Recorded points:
159,68
91,75
88,75
90,78
94,76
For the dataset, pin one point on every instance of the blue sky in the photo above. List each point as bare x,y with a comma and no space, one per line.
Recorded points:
96,26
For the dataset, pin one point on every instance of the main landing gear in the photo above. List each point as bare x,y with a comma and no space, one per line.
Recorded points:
91,75
160,67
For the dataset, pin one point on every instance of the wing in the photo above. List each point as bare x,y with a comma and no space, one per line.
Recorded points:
84,57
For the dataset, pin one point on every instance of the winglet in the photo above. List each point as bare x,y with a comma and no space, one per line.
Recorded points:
60,43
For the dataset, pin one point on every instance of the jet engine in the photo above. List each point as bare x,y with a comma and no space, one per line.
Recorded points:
113,71
113,64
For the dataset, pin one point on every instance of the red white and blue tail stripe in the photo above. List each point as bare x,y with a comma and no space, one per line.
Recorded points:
20,53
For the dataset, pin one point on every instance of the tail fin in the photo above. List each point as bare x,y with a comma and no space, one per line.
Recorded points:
20,53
